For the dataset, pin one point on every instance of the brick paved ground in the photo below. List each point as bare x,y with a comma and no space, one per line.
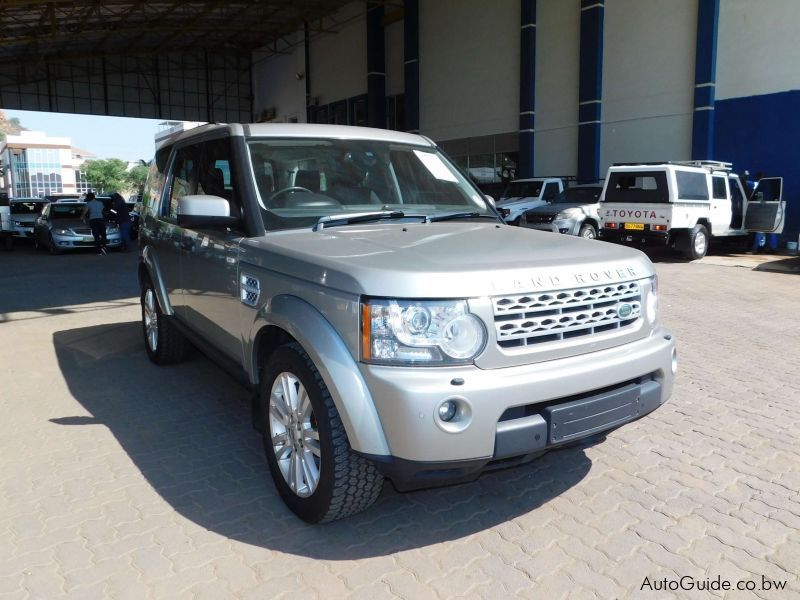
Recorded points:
122,480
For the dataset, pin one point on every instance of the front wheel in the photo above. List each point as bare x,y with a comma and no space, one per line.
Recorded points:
588,231
315,470
164,343
696,243
52,247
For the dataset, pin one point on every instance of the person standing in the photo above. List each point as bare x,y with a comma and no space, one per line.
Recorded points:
94,211
122,215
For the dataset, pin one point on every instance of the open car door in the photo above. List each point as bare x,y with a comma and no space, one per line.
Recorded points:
766,210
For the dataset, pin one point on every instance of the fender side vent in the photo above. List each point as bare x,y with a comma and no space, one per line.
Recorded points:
249,289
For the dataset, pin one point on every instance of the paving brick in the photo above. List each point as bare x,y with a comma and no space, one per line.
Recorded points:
150,483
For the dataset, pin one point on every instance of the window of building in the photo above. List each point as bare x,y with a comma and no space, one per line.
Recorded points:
395,112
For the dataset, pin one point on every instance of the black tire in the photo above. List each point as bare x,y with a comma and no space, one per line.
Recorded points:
347,483
169,345
588,231
51,247
695,243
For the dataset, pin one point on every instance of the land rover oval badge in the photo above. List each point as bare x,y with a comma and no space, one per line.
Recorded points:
624,310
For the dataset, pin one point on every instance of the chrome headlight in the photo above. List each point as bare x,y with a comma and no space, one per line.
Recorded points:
652,301
568,213
63,231
408,332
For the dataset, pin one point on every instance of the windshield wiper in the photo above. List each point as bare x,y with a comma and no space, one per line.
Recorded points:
349,219
462,215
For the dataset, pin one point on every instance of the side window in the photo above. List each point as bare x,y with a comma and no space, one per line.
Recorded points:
154,187
719,188
215,175
691,185
550,191
184,178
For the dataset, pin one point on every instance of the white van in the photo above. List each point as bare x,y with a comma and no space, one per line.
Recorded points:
686,204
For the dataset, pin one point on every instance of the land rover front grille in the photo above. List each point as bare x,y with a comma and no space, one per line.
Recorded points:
539,218
82,230
528,319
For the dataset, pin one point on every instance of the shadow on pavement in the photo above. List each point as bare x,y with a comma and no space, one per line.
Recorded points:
187,429
35,282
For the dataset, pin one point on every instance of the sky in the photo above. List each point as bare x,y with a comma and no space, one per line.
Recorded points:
105,137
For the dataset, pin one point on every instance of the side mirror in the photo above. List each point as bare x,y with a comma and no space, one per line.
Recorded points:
490,200
207,212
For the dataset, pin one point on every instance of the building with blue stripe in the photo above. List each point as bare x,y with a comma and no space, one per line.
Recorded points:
555,87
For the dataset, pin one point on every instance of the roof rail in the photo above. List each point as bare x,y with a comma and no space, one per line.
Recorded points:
708,164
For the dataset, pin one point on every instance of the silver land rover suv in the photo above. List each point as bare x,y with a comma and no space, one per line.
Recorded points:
388,322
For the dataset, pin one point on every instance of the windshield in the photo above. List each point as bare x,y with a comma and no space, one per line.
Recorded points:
71,211
523,189
26,208
301,181
579,195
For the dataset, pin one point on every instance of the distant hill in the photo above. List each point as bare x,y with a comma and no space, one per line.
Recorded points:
9,126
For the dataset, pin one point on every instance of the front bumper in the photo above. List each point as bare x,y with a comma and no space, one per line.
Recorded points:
512,413
70,241
21,231
566,226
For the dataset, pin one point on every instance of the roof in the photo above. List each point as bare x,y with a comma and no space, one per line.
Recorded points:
302,130
34,30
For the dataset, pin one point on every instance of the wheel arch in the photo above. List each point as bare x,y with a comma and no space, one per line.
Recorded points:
288,318
149,269
707,224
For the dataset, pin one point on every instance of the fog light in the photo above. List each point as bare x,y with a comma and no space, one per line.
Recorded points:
447,410
674,361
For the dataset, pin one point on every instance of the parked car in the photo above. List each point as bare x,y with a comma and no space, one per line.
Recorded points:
387,322
24,212
6,226
524,194
60,228
684,205
574,212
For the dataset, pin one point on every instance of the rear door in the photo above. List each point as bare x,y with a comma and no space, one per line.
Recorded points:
766,209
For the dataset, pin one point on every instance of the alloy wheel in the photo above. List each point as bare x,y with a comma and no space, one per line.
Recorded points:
294,434
151,319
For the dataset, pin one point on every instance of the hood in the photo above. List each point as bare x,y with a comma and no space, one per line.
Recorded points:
442,260
554,209
515,201
67,223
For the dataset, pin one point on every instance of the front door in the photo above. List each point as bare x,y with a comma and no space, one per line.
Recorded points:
766,209
210,259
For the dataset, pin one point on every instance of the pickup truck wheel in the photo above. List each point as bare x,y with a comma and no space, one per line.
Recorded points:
317,474
588,231
164,343
696,243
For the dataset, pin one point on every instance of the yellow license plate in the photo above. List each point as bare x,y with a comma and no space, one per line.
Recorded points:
635,226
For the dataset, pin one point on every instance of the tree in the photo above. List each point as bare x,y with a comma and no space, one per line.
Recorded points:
137,176
106,175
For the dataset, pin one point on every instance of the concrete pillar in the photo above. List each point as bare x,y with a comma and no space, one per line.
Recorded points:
527,87
590,89
411,60
705,79
376,66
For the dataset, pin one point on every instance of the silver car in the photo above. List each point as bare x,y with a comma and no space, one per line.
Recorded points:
573,212
389,324
60,228
24,212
